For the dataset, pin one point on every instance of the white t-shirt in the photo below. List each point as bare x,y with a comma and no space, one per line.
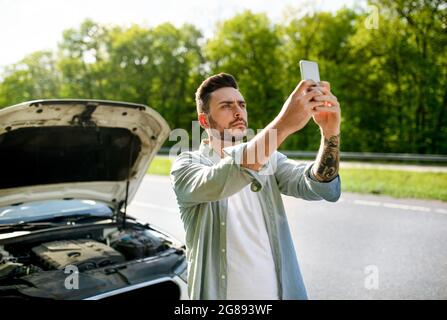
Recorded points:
250,266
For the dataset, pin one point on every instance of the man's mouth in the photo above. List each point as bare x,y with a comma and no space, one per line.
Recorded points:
240,123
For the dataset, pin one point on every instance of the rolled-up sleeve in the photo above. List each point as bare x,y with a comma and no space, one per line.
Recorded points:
295,179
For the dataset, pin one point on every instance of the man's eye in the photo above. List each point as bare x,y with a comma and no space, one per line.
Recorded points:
243,105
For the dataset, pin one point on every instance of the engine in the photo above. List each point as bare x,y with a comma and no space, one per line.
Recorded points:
114,246
84,254
107,258
136,244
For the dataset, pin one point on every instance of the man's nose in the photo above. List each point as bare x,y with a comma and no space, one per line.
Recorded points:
237,113
237,110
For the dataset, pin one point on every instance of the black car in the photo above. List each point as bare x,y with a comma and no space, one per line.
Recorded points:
69,168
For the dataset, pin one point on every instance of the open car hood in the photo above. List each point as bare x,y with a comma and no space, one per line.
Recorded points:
82,149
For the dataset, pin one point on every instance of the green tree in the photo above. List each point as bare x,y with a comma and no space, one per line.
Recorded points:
82,59
322,37
34,77
247,46
401,79
391,81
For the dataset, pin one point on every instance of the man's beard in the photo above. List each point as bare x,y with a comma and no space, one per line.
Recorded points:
224,134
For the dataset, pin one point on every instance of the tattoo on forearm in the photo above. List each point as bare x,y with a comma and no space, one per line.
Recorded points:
328,159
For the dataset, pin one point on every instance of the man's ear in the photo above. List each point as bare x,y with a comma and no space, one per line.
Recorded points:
203,120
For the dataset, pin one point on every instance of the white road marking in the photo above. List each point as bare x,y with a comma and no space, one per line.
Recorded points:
153,206
359,202
342,199
367,203
397,206
406,207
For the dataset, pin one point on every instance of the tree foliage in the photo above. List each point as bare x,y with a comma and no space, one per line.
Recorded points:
391,81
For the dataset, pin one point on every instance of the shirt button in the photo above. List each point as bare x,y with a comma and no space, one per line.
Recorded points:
223,276
222,223
255,186
223,250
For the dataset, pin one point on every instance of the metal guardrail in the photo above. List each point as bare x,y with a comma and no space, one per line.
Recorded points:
359,156
374,156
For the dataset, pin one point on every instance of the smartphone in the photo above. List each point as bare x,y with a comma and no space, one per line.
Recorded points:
309,70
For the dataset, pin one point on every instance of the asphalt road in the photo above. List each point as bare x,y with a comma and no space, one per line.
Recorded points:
361,247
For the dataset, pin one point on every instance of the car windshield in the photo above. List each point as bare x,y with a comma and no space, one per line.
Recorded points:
42,210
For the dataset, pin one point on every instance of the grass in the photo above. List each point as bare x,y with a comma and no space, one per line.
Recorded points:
395,183
160,166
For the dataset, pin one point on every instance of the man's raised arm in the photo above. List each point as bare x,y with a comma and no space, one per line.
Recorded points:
303,103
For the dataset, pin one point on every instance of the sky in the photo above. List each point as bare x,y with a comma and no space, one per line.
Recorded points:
30,25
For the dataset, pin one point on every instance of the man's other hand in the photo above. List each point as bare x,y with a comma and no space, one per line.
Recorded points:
327,114
299,107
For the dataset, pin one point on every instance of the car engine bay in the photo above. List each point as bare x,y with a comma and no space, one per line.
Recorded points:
99,253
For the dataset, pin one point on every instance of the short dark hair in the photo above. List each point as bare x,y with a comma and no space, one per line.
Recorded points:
208,86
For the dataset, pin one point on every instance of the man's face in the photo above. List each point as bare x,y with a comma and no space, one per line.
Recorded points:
228,114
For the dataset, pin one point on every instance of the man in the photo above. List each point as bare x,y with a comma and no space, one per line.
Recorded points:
238,240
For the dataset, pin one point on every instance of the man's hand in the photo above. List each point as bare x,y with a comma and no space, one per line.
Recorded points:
303,103
298,108
328,114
